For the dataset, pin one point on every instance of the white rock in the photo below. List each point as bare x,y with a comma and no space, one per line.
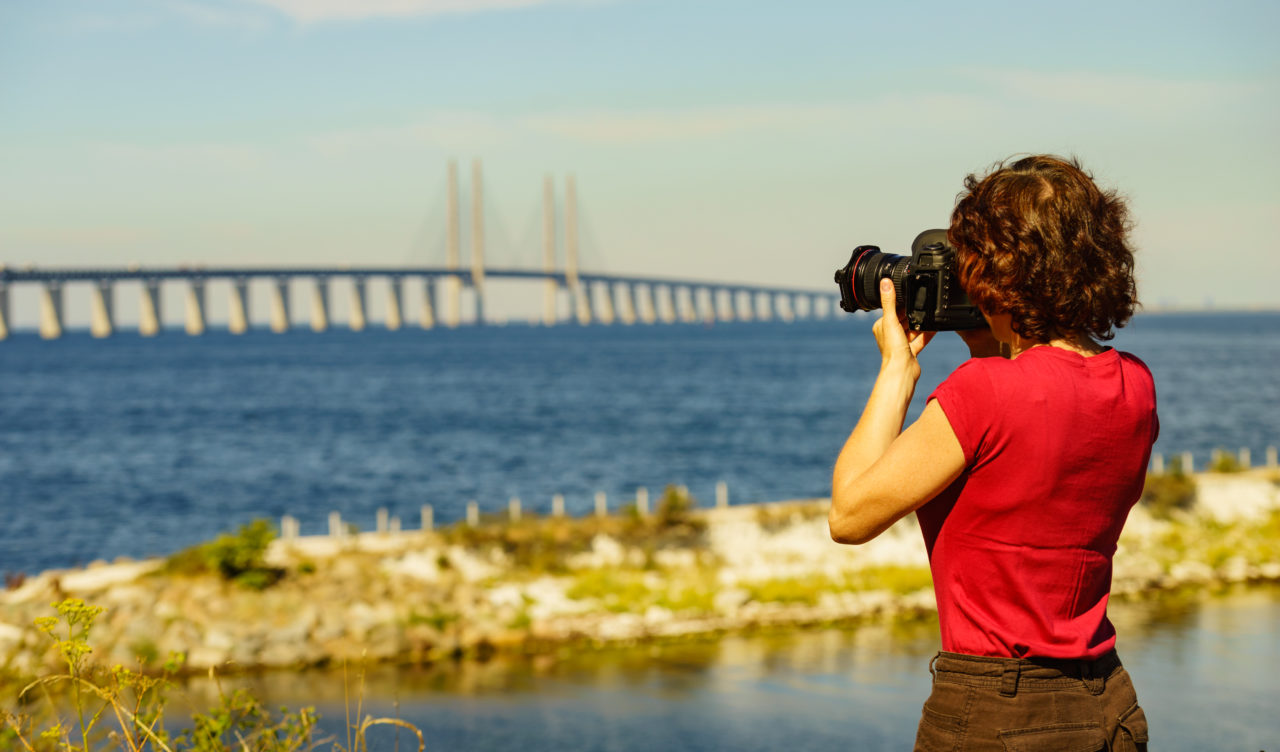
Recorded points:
102,577
1236,498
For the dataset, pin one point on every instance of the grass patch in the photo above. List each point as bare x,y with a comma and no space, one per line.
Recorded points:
239,558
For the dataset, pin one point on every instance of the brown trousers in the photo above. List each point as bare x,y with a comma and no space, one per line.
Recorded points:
1017,705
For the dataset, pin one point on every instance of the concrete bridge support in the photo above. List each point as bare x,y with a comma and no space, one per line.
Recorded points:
648,305
744,302
195,307
395,311
626,302
428,318
320,305
549,286
688,300
722,304
149,310
668,312
280,305
101,323
705,300
582,302
358,318
452,301
51,310
604,302
238,315
783,307
4,311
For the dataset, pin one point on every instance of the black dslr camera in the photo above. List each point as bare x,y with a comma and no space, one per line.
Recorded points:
927,284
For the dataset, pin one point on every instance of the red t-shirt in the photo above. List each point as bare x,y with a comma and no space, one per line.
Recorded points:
1056,448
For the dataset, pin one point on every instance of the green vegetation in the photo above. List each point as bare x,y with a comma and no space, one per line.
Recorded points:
1167,493
238,558
89,708
808,591
1225,462
541,545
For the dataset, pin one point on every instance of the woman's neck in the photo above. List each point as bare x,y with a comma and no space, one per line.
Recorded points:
1081,344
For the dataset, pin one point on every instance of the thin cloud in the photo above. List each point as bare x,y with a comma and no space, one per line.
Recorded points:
1113,91
310,11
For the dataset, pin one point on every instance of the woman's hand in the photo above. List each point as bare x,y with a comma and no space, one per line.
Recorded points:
899,346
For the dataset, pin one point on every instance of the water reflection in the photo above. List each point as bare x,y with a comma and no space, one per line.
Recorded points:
1205,667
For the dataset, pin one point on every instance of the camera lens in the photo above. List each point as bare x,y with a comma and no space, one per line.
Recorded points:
869,269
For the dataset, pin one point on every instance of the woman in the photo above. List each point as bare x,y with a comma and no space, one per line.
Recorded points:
1022,467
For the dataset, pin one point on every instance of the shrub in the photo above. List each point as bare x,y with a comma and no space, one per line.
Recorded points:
239,558
1163,494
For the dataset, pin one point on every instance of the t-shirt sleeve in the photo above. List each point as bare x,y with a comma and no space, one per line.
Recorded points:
968,400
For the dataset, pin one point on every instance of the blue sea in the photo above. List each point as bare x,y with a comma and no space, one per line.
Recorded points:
138,447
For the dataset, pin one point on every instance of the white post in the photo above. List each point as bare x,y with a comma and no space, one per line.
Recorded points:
320,305
1271,457
557,505
101,323
602,504
1157,463
357,320
280,305
722,495
473,513
642,501
1188,463
288,527
195,307
453,283
395,526
4,310
395,311
428,518
513,509
238,315
381,524
1246,460
51,310
335,525
549,287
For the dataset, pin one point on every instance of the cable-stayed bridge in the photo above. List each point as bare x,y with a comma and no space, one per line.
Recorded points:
593,297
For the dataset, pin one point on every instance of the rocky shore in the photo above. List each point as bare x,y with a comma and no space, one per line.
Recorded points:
540,583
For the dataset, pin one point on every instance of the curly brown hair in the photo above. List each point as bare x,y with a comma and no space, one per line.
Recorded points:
1038,239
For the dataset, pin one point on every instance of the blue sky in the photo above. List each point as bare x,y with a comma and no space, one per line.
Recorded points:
746,141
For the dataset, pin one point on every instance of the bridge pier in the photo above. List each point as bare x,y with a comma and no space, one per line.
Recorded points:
238,316
743,305
687,297
280,305
100,320
582,298
320,305
51,310
395,312
722,304
668,313
195,307
428,318
357,320
452,301
782,306
706,302
648,303
626,302
604,301
149,308
4,311
550,293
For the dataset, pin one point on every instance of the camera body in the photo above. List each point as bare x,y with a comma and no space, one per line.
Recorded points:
927,284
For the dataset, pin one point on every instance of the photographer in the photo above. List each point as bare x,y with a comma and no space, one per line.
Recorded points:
1022,467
